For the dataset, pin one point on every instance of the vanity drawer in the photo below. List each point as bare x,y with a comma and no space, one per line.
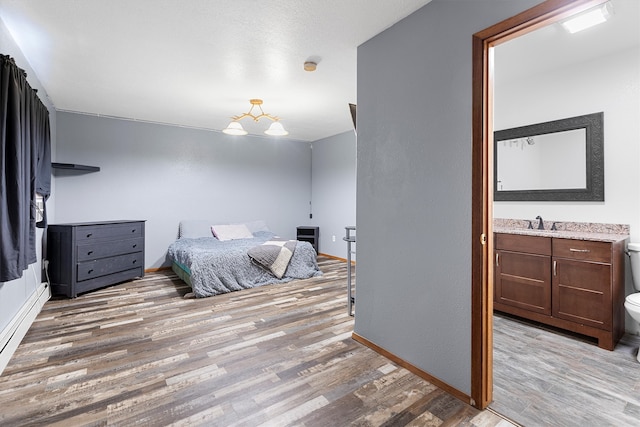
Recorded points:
582,250
520,243
95,250
89,233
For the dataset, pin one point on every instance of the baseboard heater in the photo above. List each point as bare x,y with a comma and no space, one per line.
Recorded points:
12,335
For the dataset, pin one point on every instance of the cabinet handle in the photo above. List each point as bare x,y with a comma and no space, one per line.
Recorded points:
135,246
584,251
135,260
89,235
90,271
133,230
555,267
497,259
89,253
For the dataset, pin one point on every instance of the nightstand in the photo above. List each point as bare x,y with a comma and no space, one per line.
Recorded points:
308,234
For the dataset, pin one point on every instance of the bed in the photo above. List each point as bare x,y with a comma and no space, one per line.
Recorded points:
234,258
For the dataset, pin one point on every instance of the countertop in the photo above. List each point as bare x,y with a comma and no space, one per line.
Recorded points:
566,230
563,234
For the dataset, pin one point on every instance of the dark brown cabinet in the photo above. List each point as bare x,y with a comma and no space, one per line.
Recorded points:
86,256
522,278
576,285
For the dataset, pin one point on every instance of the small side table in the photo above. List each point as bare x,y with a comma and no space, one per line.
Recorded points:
308,234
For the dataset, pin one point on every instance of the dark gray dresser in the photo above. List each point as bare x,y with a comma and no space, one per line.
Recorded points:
86,256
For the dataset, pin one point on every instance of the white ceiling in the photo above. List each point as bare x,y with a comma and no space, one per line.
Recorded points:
552,47
197,62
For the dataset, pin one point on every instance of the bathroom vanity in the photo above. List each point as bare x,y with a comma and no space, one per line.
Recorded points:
567,279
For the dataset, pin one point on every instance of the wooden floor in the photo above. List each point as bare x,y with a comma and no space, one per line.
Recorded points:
140,354
545,377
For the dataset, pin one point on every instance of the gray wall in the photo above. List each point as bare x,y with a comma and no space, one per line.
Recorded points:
14,294
163,174
334,190
414,185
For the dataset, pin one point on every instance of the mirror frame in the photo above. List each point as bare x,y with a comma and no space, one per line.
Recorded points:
594,191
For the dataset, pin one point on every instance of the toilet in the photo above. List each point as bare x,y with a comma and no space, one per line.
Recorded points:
632,302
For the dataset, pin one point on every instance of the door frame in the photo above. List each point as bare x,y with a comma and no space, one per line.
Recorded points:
538,16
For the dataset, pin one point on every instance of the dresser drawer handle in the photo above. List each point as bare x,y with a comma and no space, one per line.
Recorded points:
135,246
584,251
133,230
89,253
135,260
90,271
89,235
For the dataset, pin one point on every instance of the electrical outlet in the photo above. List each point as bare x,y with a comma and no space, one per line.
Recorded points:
333,238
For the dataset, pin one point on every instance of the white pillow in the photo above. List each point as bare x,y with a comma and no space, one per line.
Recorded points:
231,231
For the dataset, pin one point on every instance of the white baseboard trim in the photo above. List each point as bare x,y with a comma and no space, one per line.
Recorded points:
13,334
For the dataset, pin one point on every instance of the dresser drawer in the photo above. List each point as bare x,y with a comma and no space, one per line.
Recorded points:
583,250
108,279
90,269
87,233
95,250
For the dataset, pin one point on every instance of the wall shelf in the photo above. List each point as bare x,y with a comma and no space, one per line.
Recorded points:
75,167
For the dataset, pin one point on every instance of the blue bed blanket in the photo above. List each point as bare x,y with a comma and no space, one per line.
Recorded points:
217,267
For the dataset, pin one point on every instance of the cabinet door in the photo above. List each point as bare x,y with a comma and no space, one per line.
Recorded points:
523,281
582,292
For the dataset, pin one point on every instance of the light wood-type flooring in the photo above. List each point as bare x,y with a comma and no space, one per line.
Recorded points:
546,377
138,353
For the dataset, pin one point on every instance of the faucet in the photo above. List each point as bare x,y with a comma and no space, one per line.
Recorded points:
540,223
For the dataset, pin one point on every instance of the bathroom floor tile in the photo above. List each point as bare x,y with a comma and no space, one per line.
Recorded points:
545,377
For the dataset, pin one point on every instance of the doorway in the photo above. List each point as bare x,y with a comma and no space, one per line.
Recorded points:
541,76
482,204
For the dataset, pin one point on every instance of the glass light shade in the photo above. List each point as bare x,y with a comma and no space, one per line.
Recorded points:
276,129
234,128
588,19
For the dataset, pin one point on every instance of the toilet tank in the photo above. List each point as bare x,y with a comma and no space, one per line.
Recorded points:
634,256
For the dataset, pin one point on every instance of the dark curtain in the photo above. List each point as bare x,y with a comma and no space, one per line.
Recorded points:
40,127
25,166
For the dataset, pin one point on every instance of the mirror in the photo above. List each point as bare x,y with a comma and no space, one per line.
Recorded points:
561,160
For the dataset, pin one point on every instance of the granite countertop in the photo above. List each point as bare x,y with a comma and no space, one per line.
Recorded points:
566,230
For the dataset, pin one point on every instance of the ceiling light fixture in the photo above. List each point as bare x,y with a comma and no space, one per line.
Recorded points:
588,18
235,128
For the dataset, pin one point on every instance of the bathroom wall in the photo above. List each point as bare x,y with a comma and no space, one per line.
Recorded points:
609,84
